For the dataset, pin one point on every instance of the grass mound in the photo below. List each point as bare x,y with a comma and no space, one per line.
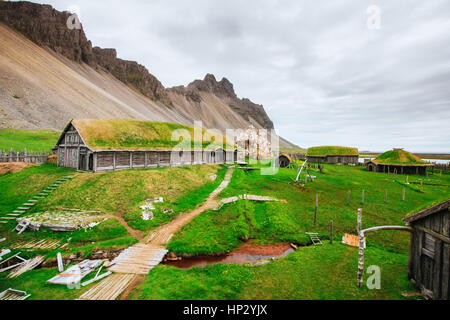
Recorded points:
399,156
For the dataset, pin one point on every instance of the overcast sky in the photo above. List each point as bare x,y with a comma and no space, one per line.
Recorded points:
323,75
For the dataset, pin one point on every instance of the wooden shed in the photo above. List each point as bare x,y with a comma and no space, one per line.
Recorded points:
333,155
398,161
104,145
429,262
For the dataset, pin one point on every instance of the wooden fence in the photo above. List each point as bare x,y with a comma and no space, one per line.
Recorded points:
442,166
24,156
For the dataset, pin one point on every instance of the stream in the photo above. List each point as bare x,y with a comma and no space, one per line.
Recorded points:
248,253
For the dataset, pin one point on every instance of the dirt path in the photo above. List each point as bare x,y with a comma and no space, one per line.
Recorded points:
134,233
131,263
163,234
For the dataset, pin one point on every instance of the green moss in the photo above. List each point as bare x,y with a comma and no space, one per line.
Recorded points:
332,151
116,134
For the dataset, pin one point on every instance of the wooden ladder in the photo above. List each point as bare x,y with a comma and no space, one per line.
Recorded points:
22,226
315,239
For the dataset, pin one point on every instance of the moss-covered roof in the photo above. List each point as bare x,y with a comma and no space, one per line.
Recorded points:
399,157
332,151
118,134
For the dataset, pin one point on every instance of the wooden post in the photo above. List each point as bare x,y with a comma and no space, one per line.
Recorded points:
404,194
361,250
331,232
316,209
421,185
363,196
385,196
349,197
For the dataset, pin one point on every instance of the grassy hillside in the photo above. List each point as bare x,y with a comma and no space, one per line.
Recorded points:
274,222
311,273
32,140
116,193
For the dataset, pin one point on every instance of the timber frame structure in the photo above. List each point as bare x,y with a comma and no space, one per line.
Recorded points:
73,152
429,261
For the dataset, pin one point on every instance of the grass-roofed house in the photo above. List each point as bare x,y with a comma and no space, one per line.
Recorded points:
333,155
398,161
113,144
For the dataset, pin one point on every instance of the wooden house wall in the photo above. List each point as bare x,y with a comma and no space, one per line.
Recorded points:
334,159
420,170
69,149
430,256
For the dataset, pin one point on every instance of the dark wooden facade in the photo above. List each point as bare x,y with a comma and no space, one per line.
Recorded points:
344,159
73,152
429,265
399,169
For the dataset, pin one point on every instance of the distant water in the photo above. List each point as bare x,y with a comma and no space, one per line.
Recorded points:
438,161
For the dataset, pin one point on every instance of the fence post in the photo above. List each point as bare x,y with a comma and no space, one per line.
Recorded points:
361,250
349,197
385,196
331,232
404,194
316,209
363,196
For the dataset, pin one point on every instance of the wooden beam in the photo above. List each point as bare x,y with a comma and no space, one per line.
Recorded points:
434,234
382,228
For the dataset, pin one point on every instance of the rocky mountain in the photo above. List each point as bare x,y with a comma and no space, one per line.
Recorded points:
50,73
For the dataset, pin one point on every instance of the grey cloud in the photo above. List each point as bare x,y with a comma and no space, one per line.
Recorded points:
322,75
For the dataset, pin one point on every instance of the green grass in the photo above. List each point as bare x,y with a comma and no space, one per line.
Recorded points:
122,193
33,282
17,188
218,232
32,140
311,273
332,151
107,230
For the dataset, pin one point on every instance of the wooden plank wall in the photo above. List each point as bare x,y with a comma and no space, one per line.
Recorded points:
24,156
430,256
148,159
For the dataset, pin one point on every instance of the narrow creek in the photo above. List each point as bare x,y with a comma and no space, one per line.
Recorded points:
247,253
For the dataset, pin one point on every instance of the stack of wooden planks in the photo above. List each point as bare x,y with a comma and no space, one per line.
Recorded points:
47,244
11,294
138,259
27,266
110,288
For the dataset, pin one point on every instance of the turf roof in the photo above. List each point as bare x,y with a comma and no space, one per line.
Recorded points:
332,151
399,157
117,134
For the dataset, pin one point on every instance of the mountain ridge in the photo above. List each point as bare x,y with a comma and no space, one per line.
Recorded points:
214,102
